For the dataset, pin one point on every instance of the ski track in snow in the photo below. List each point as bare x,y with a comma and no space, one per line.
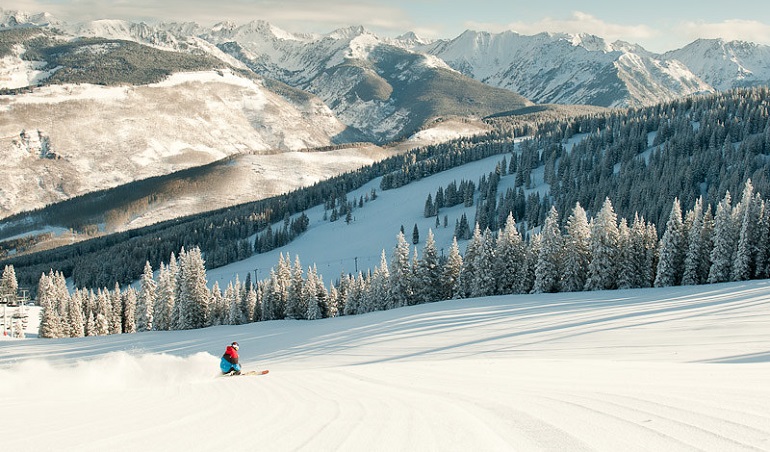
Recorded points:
677,369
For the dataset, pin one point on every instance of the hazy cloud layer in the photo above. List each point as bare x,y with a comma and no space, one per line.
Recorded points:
293,15
429,18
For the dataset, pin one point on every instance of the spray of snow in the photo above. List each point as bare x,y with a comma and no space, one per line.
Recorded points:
114,371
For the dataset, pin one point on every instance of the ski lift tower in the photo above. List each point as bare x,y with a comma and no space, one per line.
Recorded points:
20,317
4,301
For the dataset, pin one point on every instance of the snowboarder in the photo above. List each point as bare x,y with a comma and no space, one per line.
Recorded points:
229,364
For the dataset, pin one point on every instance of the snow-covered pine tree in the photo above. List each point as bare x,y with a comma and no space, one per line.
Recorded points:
334,302
602,270
673,247
509,257
295,304
259,290
9,285
130,297
695,245
549,259
724,242
90,329
576,251
50,321
76,321
451,271
651,256
165,303
103,312
282,283
747,218
429,273
401,274
193,289
377,295
116,302
145,304
174,322
463,286
216,313
249,302
89,309
322,295
234,314
354,294
527,282
763,242
626,279
485,284
310,295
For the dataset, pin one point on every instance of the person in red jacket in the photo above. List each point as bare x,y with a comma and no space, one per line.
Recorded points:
229,363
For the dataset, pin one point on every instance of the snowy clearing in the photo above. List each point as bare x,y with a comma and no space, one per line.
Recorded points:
683,368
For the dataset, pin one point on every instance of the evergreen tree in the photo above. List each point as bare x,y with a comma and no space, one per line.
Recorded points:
547,269
672,250
250,302
146,300
484,284
510,257
429,273
234,313
463,287
295,309
576,251
116,302
400,275
311,295
165,303
695,246
724,242
9,286
451,271
77,323
377,295
747,214
50,321
193,290
130,299
602,270
216,314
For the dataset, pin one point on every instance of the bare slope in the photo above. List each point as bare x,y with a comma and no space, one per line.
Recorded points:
665,369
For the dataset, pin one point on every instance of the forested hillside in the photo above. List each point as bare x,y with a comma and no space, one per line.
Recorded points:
639,159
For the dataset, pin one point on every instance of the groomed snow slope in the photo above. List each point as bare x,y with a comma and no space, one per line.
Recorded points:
674,369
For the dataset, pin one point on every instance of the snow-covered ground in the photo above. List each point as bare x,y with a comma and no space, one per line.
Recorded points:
683,368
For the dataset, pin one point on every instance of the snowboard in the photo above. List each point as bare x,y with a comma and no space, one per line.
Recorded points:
247,373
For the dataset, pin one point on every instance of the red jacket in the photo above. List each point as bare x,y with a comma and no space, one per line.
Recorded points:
231,355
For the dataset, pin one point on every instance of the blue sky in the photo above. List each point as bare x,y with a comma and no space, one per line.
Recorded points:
658,25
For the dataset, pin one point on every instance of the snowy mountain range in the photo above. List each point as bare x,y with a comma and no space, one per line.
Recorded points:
96,105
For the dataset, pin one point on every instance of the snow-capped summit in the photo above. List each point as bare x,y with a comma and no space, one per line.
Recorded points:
726,64
410,40
568,68
14,18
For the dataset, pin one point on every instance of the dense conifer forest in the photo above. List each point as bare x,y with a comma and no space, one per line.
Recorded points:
642,165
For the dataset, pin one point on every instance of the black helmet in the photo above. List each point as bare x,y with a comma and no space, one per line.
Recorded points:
234,345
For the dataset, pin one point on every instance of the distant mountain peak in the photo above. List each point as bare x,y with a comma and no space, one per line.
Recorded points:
348,32
16,18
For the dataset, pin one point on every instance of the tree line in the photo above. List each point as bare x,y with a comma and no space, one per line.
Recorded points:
602,252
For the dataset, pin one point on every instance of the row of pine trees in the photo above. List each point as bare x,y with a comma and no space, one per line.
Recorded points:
600,253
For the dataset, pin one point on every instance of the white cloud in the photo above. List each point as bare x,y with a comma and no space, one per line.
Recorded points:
729,30
293,15
578,22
